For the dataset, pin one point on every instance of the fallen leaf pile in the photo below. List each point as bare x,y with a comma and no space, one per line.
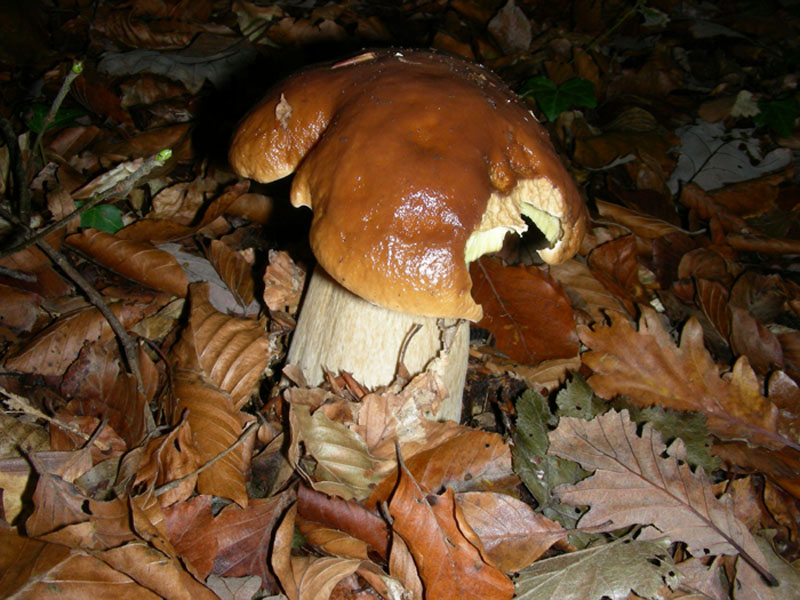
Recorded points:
631,420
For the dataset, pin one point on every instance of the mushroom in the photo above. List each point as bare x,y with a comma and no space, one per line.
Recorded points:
414,164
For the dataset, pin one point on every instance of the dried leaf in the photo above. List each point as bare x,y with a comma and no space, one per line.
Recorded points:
344,465
584,289
346,516
649,368
233,352
512,534
283,283
57,346
138,261
608,571
450,566
633,484
526,311
464,462
234,271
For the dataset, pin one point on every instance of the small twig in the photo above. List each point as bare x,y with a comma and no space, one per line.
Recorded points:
21,404
21,189
129,347
171,485
74,72
120,190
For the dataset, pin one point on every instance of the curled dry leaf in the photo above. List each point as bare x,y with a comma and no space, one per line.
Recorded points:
139,261
283,283
466,461
647,366
512,534
450,566
634,484
235,271
346,516
526,310
639,223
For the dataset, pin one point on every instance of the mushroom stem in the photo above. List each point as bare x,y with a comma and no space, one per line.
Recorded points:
339,331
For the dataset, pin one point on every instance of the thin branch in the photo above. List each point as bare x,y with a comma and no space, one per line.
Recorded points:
120,190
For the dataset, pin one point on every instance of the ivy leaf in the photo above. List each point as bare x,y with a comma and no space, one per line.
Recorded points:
779,115
105,217
554,99
63,117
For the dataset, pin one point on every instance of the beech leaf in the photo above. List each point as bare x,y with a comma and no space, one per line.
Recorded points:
526,310
450,566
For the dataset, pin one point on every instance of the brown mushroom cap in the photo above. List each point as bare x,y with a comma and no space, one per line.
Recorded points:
403,155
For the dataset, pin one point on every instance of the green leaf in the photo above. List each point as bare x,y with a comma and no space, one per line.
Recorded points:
538,471
779,115
671,424
63,117
608,571
578,400
554,99
106,217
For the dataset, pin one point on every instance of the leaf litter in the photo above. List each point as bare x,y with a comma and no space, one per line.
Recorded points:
631,416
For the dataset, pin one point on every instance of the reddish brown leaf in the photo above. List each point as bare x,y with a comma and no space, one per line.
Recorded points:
649,368
712,297
450,566
614,264
244,537
234,270
18,309
526,310
512,534
464,461
138,261
347,516
57,346
750,338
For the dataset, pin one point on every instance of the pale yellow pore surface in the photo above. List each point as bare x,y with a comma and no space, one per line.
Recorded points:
537,199
339,331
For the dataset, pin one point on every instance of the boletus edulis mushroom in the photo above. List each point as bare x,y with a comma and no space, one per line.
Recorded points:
414,164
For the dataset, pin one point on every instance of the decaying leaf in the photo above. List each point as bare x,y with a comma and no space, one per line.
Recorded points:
633,484
139,261
450,566
609,571
526,311
649,368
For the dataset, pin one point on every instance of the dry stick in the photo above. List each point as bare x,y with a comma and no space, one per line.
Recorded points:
120,190
23,193
171,485
21,404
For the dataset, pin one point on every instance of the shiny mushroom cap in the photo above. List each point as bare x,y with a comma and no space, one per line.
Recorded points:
415,163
